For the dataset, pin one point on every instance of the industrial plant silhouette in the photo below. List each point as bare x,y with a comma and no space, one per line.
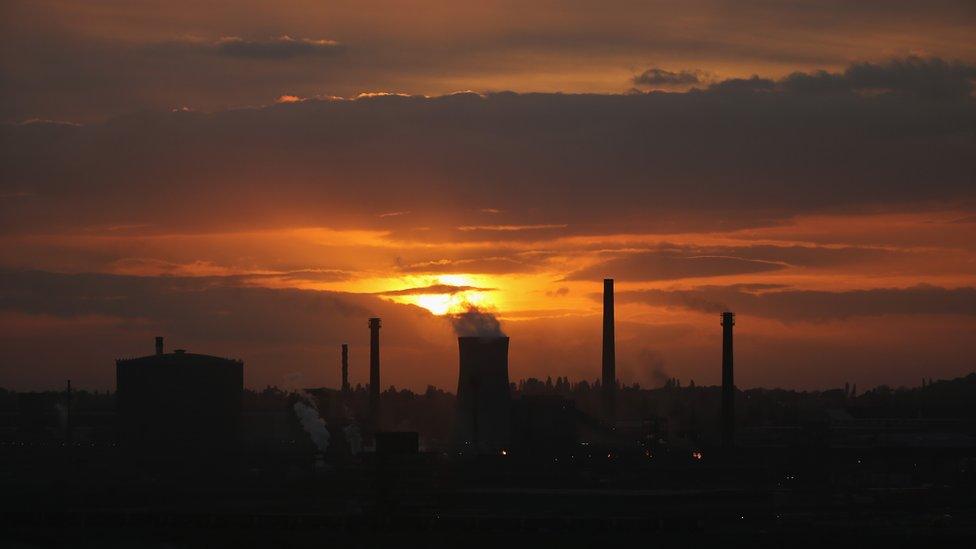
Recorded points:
183,452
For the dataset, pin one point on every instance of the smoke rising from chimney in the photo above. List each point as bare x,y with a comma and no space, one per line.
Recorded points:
313,424
475,322
651,368
354,438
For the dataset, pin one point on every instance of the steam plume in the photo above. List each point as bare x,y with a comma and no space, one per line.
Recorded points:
354,438
313,424
476,322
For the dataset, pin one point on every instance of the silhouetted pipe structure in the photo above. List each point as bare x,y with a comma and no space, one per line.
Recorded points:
728,384
609,380
374,373
159,345
483,401
345,367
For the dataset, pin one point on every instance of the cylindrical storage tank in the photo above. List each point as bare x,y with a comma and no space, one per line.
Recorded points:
483,422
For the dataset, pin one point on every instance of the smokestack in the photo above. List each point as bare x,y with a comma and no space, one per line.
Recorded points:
159,345
609,380
728,385
345,367
483,400
374,373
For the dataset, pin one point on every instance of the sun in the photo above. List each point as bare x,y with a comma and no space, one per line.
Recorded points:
448,303
439,304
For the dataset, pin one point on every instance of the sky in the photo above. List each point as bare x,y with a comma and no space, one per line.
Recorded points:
256,180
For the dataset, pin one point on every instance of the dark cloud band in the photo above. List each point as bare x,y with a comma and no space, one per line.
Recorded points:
813,305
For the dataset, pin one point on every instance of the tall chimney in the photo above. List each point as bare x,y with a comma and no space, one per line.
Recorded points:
728,385
374,373
159,345
609,379
345,367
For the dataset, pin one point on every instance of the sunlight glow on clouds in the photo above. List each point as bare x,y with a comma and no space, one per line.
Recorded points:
813,172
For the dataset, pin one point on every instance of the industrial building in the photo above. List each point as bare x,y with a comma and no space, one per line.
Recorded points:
179,402
544,425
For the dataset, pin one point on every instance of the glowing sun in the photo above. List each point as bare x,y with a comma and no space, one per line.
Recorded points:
450,302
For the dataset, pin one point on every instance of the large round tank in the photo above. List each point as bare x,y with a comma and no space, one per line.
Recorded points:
179,403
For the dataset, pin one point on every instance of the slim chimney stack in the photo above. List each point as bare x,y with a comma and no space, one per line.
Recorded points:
345,367
728,384
159,345
374,373
609,379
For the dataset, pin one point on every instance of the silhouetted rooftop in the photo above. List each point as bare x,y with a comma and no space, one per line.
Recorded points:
179,357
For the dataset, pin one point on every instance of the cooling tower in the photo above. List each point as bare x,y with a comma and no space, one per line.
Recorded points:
483,400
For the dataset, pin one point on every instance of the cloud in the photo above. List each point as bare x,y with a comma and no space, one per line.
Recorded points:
275,330
279,48
669,265
808,256
671,262
812,305
743,85
638,261
144,266
98,62
436,289
282,47
928,78
310,275
213,306
574,163
60,326
482,265
562,291
662,77
512,228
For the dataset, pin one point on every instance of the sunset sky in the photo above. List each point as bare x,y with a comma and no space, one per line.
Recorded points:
256,179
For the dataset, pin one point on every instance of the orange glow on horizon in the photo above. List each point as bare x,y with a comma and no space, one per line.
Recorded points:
450,303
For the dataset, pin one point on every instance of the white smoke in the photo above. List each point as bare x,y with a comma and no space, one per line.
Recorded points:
354,438
476,322
62,411
313,424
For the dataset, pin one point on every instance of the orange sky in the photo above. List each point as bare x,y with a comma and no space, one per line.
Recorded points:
255,180
552,317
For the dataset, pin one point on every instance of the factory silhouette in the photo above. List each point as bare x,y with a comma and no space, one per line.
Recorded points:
181,437
206,416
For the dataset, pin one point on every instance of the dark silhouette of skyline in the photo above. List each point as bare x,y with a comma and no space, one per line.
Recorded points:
251,189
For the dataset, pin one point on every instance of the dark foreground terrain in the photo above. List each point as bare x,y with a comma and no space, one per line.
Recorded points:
788,499
889,468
